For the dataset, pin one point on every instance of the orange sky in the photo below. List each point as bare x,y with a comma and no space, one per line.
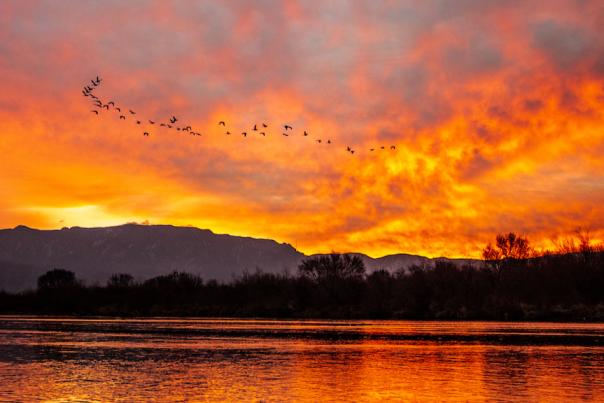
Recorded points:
496,109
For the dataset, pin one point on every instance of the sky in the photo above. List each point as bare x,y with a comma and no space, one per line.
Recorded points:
495,107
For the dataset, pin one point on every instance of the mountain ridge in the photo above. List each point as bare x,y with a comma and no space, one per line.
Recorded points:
145,251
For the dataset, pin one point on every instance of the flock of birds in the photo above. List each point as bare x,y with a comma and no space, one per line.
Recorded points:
171,124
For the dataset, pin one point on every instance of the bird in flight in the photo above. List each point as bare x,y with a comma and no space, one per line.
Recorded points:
88,89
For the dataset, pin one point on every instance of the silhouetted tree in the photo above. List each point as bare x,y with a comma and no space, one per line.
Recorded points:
57,279
120,280
333,266
508,246
337,283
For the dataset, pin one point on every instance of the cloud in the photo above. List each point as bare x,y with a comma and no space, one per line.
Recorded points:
566,46
494,106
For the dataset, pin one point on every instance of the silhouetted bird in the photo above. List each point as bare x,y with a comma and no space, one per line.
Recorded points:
93,83
255,128
371,149
152,122
319,141
162,124
85,93
132,112
264,125
97,112
393,147
305,133
106,106
382,147
145,133
122,117
118,109
348,149
138,122
244,134
285,134
287,127
351,151
328,141
173,119
169,126
263,133
228,133
111,103
98,80
221,123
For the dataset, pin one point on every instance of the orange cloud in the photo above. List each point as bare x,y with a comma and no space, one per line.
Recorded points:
495,110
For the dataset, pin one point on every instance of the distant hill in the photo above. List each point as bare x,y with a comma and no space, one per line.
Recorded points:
146,251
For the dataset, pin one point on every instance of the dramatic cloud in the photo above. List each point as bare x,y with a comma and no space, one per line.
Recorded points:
495,108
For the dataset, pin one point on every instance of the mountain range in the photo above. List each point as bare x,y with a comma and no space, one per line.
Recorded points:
145,251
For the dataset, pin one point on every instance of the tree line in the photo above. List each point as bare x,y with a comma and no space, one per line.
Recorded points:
513,282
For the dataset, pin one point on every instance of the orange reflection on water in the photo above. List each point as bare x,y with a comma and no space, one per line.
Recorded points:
157,359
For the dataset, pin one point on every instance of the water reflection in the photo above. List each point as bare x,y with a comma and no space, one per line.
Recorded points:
145,360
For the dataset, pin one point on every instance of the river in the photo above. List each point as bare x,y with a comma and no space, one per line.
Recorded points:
160,359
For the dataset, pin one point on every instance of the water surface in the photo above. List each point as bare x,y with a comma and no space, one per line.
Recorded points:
65,359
